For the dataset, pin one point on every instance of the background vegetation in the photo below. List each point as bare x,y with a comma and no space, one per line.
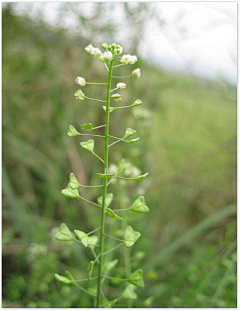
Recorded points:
188,145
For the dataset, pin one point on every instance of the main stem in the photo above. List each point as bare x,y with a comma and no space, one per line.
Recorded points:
104,187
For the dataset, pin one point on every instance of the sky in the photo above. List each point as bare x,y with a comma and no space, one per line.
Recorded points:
198,38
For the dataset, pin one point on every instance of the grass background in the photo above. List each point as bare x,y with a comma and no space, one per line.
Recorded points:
187,128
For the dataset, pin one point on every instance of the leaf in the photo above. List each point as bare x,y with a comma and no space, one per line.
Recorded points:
136,278
132,140
110,109
104,175
69,276
90,269
62,279
129,132
148,302
64,234
113,215
88,145
70,193
111,303
110,265
72,132
129,294
92,241
130,236
140,177
83,237
74,184
139,205
87,127
108,200
121,167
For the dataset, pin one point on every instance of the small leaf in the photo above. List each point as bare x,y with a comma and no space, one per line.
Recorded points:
72,132
113,215
140,177
70,193
83,237
111,303
110,109
87,127
108,200
121,167
90,269
132,140
88,145
148,302
129,294
64,234
62,279
130,236
74,184
129,132
69,276
104,175
111,264
136,278
139,205
92,241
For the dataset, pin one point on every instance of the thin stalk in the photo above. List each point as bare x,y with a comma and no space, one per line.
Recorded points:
110,277
121,77
112,249
95,204
104,187
85,291
113,237
93,83
97,156
96,100
98,127
91,135
119,65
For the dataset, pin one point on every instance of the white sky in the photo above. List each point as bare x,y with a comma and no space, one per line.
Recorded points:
199,38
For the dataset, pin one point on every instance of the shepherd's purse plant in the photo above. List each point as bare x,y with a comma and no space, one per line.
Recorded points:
96,238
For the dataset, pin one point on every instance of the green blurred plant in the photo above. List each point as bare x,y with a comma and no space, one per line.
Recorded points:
130,236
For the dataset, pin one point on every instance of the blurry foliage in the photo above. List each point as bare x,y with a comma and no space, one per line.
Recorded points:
188,145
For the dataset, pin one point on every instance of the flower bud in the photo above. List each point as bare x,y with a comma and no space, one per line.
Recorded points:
116,97
137,102
89,49
79,94
136,73
80,81
107,56
105,46
121,85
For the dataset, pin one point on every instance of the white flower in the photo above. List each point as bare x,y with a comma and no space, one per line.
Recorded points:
133,59
128,59
136,73
107,56
80,81
79,94
121,85
116,97
89,49
96,52
125,59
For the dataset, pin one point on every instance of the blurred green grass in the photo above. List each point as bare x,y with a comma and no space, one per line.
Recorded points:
188,145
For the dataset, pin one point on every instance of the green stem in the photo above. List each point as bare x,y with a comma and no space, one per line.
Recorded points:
104,187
